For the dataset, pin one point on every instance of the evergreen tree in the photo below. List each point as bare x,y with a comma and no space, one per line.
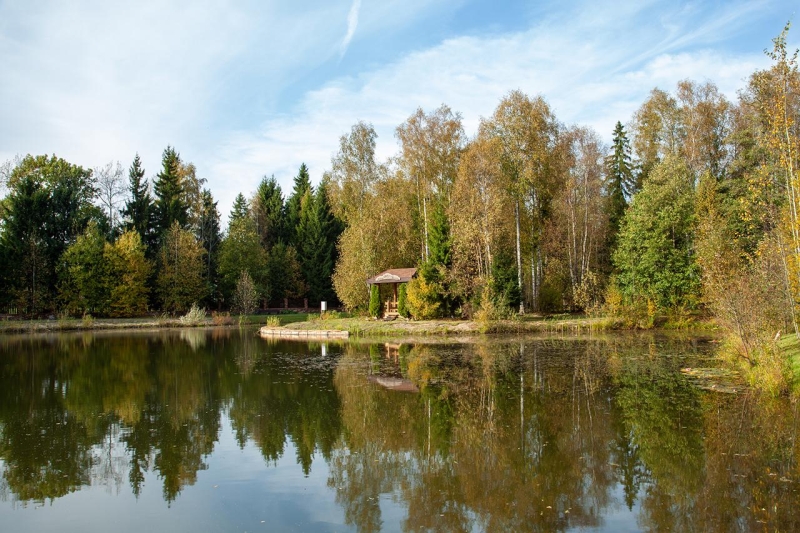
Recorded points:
317,233
374,301
314,249
138,210
619,180
239,211
170,203
268,212
284,274
302,185
439,241
503,282
655,256
209,235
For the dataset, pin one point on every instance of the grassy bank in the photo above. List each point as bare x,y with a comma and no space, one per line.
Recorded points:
356,326
366,327
84,324
790,348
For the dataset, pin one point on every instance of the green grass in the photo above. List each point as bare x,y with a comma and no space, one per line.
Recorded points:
790,346
73,324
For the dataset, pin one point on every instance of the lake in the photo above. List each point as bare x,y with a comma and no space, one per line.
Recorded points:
220,430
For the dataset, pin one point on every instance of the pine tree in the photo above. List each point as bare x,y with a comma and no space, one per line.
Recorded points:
239,211
170,203
619,180
138,210
302,184
319,232
268,212
209,235
316,262
430,295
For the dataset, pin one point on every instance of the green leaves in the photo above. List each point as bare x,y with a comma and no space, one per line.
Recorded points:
655,258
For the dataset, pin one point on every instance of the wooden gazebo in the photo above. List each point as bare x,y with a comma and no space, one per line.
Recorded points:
394,277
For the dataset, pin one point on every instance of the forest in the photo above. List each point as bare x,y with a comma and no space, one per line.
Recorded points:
694,210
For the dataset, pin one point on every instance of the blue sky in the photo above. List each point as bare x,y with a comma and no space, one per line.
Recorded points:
253,88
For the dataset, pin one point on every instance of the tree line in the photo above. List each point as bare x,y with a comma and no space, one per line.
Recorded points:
80,241
693,208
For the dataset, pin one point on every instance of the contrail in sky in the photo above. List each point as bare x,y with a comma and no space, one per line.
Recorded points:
352,24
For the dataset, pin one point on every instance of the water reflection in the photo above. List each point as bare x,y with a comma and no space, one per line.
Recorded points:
492,436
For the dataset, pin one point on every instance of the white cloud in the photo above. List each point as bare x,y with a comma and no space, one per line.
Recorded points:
576,67
94,81
352,24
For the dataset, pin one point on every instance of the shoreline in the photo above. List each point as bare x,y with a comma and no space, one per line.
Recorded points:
298,324
574,325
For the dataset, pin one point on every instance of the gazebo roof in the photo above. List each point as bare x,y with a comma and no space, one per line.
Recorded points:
393,275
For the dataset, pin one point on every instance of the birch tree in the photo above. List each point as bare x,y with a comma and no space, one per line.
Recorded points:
528,135
110,184
430,147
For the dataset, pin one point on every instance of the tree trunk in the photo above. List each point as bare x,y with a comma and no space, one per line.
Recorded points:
519,261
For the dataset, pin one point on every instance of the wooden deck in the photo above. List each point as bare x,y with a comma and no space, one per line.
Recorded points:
302,334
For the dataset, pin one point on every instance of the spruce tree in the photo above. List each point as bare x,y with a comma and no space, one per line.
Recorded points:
620,181
138,210
313,254
170,203
210,236
269,211
239,211
331,228
302,184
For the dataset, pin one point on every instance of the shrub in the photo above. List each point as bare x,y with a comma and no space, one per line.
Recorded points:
423,299
374,301
329,315
245,296
221,319
588,295
492,307
87,321
194,317
402,300
273,321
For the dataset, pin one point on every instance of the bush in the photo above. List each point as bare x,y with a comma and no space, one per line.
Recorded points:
402,300
374,301
273,321
588,295
424,302
330,315
194,317
245,296
221,319
492,307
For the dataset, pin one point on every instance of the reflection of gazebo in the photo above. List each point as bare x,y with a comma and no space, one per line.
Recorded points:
394,277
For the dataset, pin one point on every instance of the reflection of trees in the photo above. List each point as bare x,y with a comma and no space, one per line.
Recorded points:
535,435
287,393
46,450
82,398
513,453
660,441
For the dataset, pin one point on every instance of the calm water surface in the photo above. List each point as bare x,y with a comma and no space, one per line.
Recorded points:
219,430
